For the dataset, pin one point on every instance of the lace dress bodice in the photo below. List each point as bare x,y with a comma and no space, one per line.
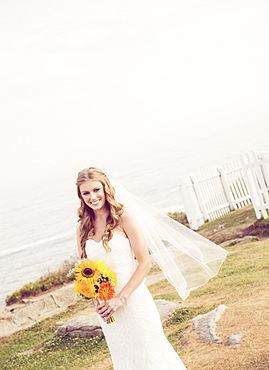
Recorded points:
120,260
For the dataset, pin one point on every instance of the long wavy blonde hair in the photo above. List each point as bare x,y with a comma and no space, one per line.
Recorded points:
86,214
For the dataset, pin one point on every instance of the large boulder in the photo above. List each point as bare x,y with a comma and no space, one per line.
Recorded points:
30,311
88,325
205,325
166,308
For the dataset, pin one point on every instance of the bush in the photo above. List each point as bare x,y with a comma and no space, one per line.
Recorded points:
179,217
49,281
13,298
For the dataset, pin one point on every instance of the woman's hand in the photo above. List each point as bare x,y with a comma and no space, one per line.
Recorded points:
107,308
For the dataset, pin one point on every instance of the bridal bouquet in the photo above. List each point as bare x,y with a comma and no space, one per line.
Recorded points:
94,280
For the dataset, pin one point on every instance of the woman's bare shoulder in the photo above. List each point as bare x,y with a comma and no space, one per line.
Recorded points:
127,215
127,219
78,228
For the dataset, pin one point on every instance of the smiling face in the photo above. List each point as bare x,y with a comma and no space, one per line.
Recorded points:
92,192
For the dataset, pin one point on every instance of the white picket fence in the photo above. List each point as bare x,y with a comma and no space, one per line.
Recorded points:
215,191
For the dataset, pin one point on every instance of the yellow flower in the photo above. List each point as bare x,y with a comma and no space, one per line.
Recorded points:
87,290
111,276
89,271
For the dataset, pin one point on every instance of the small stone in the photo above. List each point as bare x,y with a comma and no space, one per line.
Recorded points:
28,352
234,340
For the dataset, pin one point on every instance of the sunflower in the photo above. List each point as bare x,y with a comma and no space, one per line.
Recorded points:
89,271
106,291
86,290
110,276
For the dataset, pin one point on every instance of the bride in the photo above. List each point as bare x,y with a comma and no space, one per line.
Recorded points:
112,232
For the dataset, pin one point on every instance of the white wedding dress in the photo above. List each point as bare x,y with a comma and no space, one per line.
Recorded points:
136,339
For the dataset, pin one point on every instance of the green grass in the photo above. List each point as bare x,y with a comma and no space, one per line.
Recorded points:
231,226
245,268
61,353
244,273
237,218
53,352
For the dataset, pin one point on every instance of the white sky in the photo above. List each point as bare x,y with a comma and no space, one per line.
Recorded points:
84,80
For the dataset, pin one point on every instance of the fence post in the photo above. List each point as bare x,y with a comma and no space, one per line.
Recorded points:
252,186
226,188
264,161
265,198
200,198
191,206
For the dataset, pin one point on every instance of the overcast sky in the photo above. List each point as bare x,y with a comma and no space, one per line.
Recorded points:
84,80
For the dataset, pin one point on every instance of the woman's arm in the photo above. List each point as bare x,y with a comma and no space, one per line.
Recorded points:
140,249
79,242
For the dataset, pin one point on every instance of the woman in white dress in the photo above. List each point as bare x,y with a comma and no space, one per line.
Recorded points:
109,232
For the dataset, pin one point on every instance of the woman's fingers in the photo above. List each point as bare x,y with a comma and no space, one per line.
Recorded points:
106,314
106,309
102,308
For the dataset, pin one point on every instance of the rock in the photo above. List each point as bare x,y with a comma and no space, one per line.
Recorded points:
166,308
88,325
234,340
65,296
246,239
8,327
30,311
205,325
28,352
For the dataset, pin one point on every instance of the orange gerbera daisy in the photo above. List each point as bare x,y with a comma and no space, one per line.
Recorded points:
106,291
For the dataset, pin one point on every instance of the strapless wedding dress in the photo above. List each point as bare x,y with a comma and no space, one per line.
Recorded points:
136,339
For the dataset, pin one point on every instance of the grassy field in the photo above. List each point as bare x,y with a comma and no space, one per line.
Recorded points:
242,285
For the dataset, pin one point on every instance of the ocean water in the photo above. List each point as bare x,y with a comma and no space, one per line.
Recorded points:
38,225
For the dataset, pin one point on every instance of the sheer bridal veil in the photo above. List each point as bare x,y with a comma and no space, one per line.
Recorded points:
187,259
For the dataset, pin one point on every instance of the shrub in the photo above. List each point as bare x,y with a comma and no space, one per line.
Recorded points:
49,281
179,217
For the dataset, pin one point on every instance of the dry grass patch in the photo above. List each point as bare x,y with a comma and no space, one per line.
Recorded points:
242,285
249,317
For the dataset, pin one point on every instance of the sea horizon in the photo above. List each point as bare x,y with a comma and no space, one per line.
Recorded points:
41,235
